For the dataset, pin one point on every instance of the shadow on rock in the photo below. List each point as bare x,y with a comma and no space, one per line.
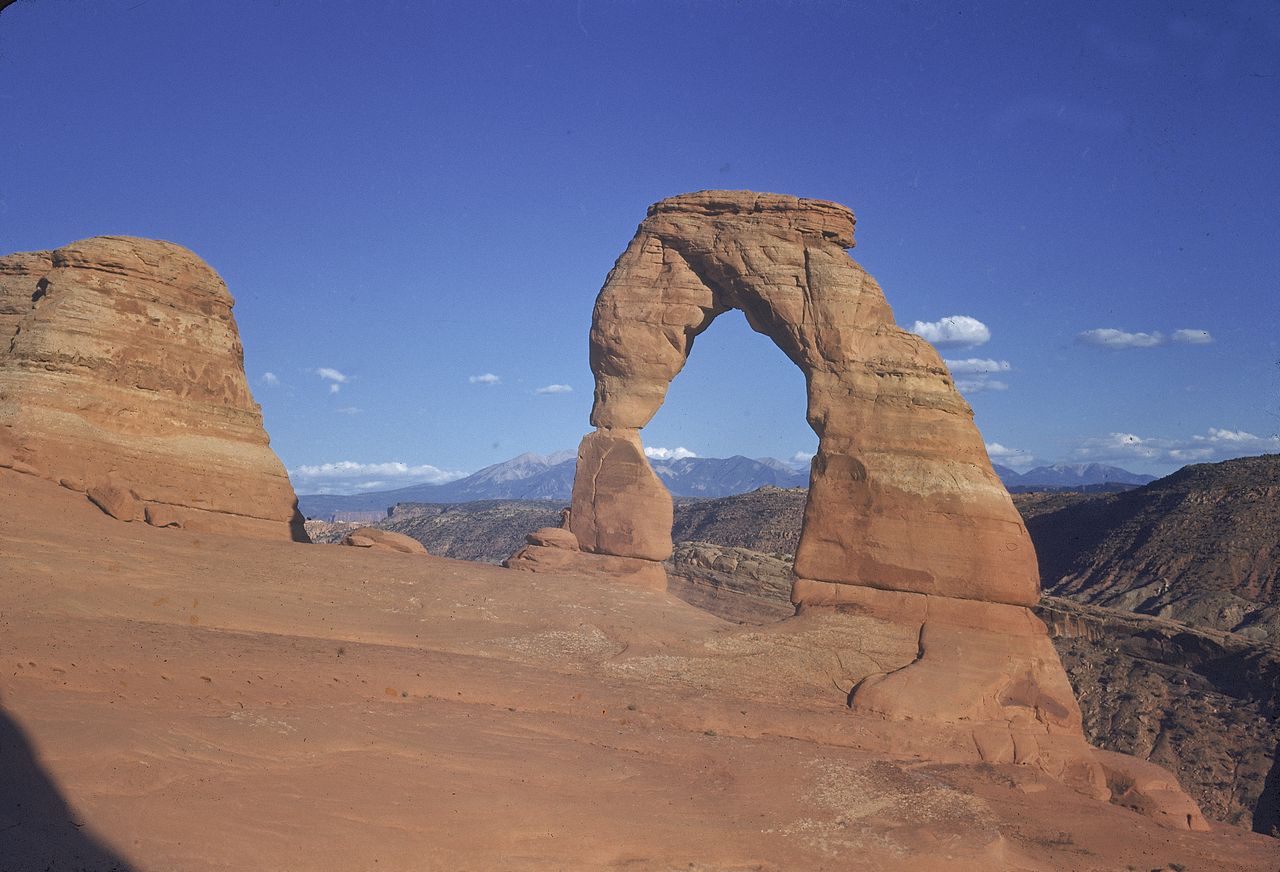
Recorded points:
38,830
1266,814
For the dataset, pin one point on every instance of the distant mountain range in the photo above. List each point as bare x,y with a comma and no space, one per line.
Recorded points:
1071,476
550,477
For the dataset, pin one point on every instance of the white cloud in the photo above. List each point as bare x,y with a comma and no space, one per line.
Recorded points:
1192,337
1007,456
1109,337
348,476
554,389
1216,444
980,384
802,457
977,366
668,453
335,379
487,379
953,331
348,410
270,378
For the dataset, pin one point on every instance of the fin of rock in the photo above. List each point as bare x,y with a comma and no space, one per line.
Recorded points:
122,376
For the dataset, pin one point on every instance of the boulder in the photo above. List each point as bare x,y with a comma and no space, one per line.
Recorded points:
120,359
115,499
383,540
554,537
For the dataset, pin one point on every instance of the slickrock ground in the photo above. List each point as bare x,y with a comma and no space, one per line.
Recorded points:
122,376
190,701
1199,701
1203,703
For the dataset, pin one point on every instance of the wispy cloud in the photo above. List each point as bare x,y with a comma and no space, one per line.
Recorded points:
270,378
654,453
980,385
554,389
349,476
487,378
335,379
1007,456
348,410
977,366
1217,444
1192,337
953,331
979,371
1109,337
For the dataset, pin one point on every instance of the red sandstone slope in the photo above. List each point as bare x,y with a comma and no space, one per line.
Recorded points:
195,702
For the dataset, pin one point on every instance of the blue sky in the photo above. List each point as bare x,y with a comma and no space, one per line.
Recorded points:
406,198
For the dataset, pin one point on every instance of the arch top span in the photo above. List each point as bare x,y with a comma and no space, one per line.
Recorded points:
818,217
902,494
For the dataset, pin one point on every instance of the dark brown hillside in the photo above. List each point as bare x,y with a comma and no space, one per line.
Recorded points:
766,520
1200,546
1202,702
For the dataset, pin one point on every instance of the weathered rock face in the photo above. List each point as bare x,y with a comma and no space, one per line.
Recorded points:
902,495
122,375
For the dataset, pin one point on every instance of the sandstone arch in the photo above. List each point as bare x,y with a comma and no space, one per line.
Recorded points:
906,523
902,494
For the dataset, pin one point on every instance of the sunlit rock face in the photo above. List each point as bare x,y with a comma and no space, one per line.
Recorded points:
122,375
902,494
907,530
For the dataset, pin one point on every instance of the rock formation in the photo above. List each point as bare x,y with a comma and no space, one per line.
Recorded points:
906,522
902,495
122,376
383,540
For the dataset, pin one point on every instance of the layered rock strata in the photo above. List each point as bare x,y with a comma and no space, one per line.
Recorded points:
122,376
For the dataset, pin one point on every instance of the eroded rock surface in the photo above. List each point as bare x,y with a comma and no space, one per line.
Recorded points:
902,494
122,375
383,540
